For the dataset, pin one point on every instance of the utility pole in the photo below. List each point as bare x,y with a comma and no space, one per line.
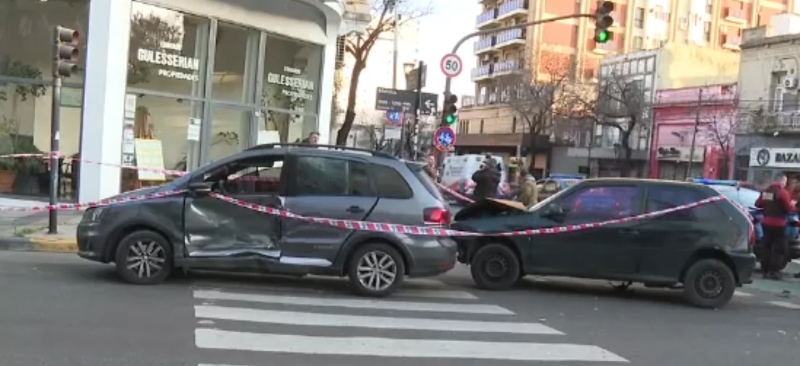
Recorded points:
449,81
418,106
65,59
694,133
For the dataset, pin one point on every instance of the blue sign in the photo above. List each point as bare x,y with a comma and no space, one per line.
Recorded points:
394,117
444,138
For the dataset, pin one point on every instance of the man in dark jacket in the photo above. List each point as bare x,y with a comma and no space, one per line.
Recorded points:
486,180
777,205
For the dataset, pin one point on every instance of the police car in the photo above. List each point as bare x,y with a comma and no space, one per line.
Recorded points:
746,198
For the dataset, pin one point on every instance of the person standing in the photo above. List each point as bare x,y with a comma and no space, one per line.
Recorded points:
528,194
486,180
777,205
312,139
430,168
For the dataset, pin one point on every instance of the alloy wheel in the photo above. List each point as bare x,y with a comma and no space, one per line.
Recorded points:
376,270
710,284
146,258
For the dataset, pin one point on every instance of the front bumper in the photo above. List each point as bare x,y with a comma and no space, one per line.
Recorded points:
745,265
90,243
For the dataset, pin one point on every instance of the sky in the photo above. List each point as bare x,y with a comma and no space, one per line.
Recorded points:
439,32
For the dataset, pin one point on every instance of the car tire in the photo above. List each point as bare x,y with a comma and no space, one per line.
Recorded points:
144,258
495,267
709,283
370,267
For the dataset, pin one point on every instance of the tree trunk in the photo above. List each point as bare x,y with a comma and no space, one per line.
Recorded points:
350,114
627,162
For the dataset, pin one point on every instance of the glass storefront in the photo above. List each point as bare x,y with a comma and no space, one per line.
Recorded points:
205,89
25,95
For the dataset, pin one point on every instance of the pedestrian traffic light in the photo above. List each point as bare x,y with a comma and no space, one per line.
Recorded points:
450,110
603,20
66,52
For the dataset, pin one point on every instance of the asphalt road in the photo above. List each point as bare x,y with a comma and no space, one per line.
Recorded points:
56,309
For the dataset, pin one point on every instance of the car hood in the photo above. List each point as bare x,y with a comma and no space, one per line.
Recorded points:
137,192
489,215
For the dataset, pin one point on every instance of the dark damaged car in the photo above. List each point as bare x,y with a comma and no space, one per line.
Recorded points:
706,250
148,240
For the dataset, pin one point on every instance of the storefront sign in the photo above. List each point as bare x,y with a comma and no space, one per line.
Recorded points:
297,86
194,129
150,155
172,60
128,136
775,157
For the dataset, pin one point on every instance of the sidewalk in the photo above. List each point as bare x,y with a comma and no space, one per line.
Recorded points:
786,287
26,231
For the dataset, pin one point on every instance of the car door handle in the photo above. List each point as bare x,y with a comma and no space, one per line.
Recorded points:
355,209
629,231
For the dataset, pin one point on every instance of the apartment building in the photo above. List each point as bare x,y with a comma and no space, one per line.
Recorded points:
639,25
769,103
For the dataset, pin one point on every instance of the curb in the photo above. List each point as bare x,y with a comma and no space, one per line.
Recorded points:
38,244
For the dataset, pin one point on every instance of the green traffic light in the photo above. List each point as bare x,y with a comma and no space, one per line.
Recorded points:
602,37
450,119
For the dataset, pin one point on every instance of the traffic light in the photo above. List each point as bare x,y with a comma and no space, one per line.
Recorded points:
66,52
450,111
602,21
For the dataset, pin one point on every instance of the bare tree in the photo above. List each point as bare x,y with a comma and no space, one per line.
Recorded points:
538,100
620,103
388,15
720,126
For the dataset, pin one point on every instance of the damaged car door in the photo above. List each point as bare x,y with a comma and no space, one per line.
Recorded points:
215,228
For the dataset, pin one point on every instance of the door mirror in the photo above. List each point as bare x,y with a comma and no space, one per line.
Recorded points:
553,211
200,188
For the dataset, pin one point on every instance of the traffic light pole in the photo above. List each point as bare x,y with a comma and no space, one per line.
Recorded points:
448,80
55,132
417,108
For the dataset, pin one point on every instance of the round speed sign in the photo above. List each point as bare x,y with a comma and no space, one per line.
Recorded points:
451,65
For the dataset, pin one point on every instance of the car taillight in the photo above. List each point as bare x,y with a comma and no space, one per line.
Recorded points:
752,236
436,216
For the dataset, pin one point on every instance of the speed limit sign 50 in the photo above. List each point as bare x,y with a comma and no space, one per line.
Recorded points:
451,65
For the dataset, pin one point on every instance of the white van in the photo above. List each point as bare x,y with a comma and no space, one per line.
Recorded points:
458,170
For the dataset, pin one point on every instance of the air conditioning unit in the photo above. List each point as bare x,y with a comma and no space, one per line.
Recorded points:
790,82
684,23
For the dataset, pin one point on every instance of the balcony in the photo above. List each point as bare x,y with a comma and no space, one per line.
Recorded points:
482,72
509,37
731,42
788,122
604,48
484,45
735,15
512,8
486,18
506,67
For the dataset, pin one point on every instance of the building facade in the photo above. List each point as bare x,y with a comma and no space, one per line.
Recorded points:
640,25
694,125
167,84
769,104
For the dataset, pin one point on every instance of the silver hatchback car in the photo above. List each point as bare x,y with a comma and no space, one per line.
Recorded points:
148,240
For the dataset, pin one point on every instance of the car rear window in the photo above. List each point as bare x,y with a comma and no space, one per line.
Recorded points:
743,196
426,181
390,183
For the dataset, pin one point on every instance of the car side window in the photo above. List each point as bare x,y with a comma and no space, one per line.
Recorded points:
663,198
390,183
603,203
320,176
253,176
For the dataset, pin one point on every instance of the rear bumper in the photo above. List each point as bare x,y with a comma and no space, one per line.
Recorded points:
745,265
432,256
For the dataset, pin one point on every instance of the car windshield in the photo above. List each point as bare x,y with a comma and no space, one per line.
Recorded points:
743,196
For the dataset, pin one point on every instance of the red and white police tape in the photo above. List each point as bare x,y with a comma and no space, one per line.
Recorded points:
434,231
453,193
101,203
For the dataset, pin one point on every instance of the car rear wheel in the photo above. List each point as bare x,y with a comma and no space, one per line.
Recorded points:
709,283
376,270
495,267
144,258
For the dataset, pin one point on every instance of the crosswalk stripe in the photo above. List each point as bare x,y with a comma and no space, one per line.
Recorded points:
389,347
435,294
361,321
355,303
741,294
784,304
424,292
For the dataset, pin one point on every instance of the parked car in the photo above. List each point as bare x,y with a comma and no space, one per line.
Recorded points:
148,240
706,250
746,198
556,183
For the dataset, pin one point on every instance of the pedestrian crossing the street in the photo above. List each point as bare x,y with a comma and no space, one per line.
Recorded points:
418,322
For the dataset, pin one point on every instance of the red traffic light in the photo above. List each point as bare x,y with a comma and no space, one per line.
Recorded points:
67,35
605,7
452,99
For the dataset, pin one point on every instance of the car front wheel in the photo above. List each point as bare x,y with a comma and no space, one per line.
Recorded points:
376,270
709,283
144,258
495,267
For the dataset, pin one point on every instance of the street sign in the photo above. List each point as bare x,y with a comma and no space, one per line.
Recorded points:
444,138
403,100
395,117
451,65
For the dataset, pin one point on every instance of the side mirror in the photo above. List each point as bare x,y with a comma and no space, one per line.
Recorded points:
199,188
553,211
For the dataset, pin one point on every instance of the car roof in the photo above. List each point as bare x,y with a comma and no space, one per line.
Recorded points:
643,182
329,149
